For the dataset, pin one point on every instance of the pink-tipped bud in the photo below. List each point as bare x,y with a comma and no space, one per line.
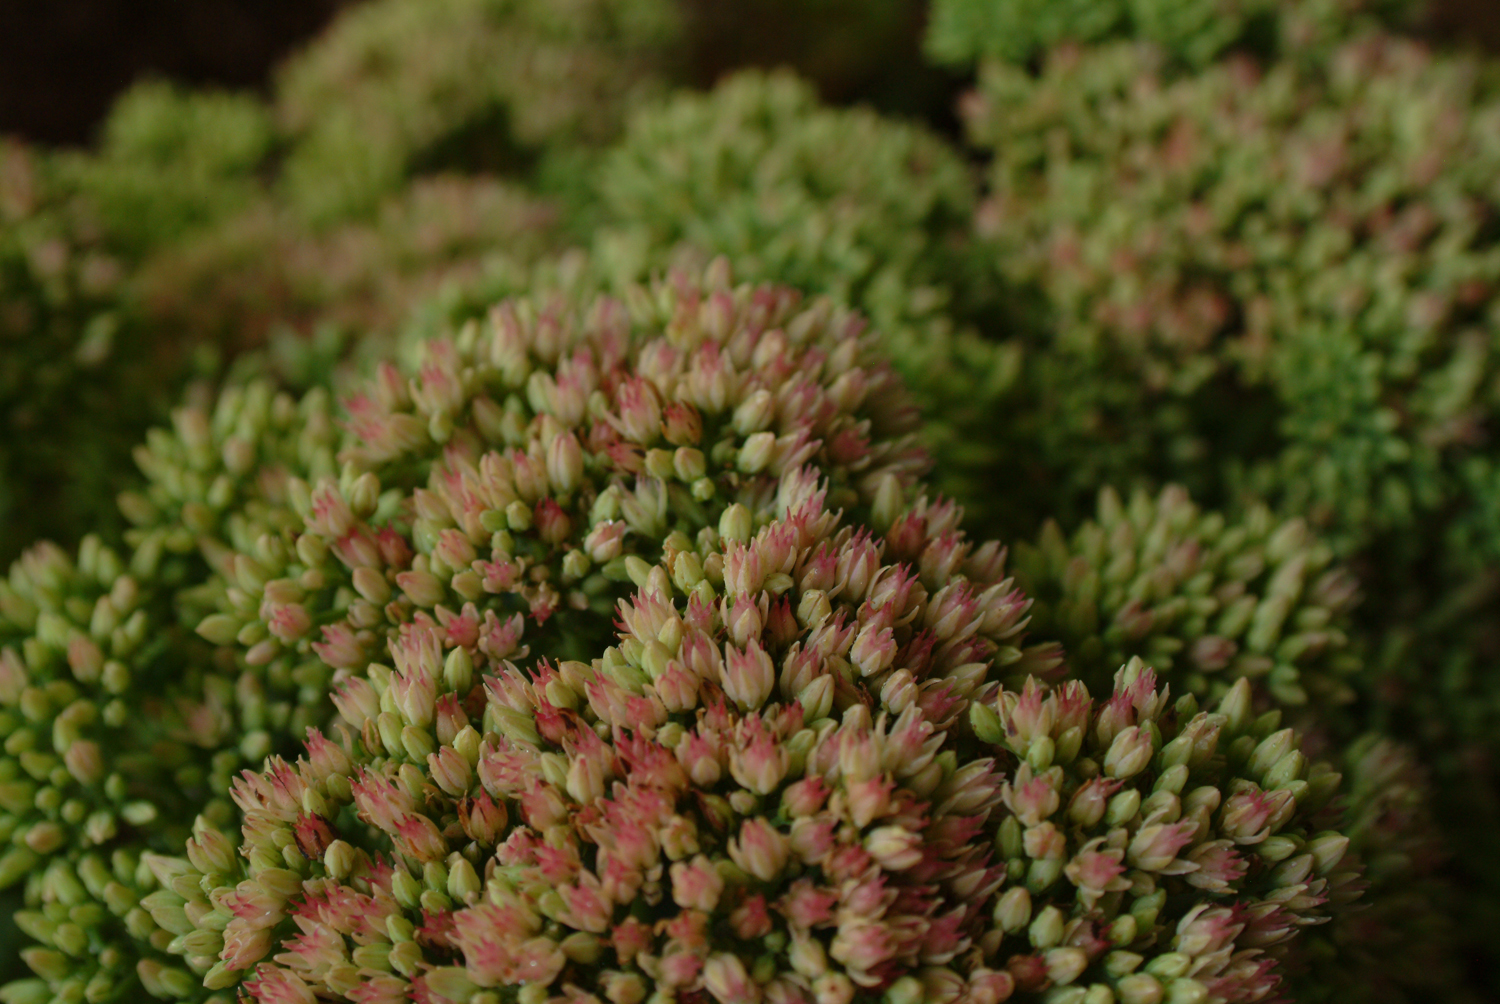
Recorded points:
748,676
725,978
696,884
454,550
1129,753
341,650
760,849
604,541
874,649
289,622
356,700
565,463
1154,847
681,424
894,847
331,517
640,411
743,619
804,798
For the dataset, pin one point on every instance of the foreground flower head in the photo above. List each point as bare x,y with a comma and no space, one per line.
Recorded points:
755,793
502,492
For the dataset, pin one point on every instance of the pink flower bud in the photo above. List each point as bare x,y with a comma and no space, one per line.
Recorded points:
1129,753
1045,842
289,622
750,921
874,650
1250,815
759,849
743,619
742,570
681,424
454,550
748,676
861,944
341,650
482,818
331,517
1028,717
585,905
894,847
677,688
418,837
603,543
325,758
1154,847
804,798
380,801
724,977
639,411
565,463
1091,800
1031,798
699,756
761,764
355,699
1097,872
423,588
450,771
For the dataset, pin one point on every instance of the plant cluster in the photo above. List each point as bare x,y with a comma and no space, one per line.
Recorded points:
1189,33
527,612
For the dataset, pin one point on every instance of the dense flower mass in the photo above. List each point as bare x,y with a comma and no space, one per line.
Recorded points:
505,490
532,615
1155,850
1205,602
762,760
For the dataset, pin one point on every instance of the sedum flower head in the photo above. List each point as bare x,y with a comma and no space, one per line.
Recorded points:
507,491
1154,851
755,794
758,169
99,762
1190,33
1205,600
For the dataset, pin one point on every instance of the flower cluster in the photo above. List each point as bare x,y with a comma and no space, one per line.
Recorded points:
97,762
759,170
497,81
1203,600
755,793
1401,944
1188,32
507,488
1154,851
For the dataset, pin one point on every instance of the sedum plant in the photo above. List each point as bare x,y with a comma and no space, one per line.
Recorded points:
1264,284
670,462
1205,600
1154,851
1211,602
234,490
800,817
1190,33
398,86
760,171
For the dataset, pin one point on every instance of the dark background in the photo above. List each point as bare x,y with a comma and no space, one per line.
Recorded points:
63,61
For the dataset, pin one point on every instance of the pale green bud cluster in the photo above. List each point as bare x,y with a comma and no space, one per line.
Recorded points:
1204,600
